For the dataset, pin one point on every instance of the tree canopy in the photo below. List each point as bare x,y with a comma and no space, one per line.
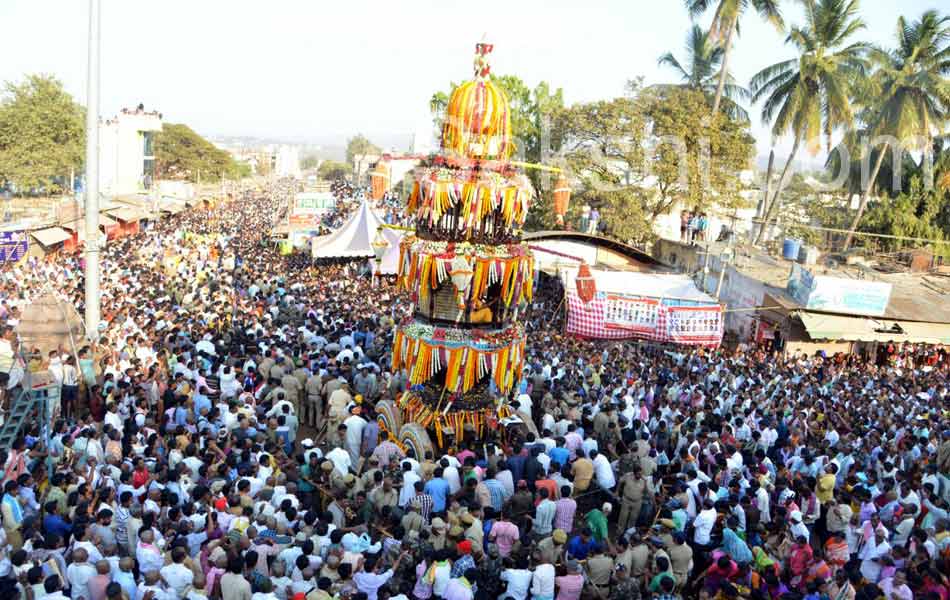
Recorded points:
637,156
182,154
332,170
359,145
42,134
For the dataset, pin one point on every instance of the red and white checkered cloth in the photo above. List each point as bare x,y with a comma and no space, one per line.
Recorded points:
673,324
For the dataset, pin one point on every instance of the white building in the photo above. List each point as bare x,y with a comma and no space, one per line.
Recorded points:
126,151
287,161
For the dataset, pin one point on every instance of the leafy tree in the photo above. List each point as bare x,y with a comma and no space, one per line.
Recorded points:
701,72
310,161
910,92
332,170
636,156
357,148
725,26
913,213
810,97
241,170
182,154
42,134
711,150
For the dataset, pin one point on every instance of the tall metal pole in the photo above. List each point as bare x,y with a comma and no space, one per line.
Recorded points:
92,173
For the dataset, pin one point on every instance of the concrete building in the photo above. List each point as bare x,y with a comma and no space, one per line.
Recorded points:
287,161
126,151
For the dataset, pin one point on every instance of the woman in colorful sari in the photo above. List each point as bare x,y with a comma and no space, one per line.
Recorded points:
762,565
837,552
798,561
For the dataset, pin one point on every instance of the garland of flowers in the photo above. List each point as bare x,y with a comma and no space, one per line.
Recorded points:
424,265
466,355
418,411
437,190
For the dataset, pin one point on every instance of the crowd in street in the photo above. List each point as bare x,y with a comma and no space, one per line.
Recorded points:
219,440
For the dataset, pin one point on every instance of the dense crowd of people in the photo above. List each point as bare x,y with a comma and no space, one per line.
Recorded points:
219,440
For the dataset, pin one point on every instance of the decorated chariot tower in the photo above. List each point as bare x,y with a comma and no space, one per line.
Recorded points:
468,274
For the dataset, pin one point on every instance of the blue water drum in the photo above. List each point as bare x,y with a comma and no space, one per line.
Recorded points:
790,248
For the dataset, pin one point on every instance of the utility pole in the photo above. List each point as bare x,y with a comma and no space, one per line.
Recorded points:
92,173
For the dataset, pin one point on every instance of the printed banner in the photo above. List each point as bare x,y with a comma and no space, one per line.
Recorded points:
694,324
631,313
619,317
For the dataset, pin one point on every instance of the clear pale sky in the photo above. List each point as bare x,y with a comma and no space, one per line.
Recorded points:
318,69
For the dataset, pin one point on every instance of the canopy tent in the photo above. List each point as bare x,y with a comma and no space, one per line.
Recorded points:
652,306
353,239
128,215
51,236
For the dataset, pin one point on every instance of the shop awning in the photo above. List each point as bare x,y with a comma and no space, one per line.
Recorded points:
128,215
51,236
172,208
867,329
80,224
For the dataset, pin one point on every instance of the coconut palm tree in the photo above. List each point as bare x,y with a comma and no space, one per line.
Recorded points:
725,26
912,99
809,97
701,72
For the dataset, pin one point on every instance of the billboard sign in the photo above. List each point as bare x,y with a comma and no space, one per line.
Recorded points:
313,203
13,245
839,295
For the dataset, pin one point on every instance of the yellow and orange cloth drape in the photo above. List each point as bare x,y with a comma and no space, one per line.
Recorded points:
464,362
437,191
423,269
478,121
438,418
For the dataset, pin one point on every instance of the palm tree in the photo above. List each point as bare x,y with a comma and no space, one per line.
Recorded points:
725,26
913,95
810,96
701,72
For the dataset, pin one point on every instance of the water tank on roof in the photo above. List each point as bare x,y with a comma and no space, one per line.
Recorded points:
790,248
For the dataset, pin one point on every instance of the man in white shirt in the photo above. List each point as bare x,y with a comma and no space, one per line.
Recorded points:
78,574
542,582
703,524
150,557
177,575
112,417
603,471
408,489
519,580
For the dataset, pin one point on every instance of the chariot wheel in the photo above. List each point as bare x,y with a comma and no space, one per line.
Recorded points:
413,435
389,417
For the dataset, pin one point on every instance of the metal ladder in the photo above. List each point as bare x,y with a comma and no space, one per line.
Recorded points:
30,403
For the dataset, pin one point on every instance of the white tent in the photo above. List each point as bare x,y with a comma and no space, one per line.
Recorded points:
670,286
353,239
390,262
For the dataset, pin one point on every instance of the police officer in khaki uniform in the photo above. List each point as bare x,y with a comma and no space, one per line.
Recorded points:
633,489
599,569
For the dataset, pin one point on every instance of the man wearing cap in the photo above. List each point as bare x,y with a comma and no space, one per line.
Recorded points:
551,548
437,531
